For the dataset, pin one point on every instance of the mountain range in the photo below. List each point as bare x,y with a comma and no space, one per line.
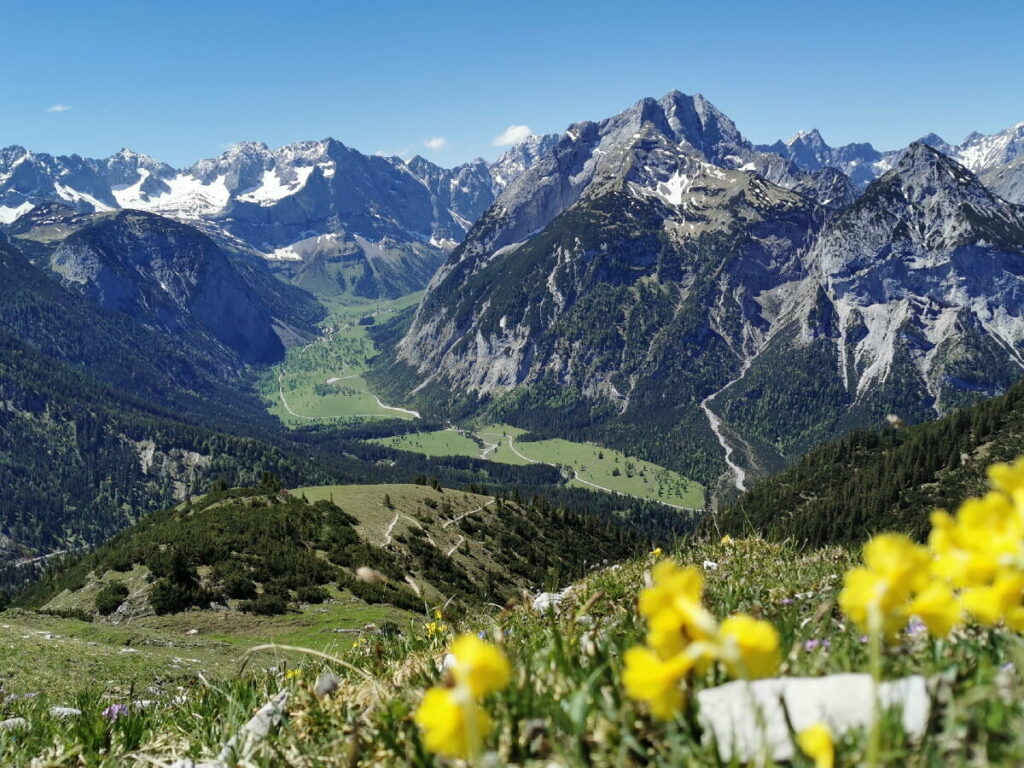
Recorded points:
646,281
330,218
639,281
997,159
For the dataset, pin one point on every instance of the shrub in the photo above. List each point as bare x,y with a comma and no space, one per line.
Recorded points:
109,598
265,605
311,594
239,586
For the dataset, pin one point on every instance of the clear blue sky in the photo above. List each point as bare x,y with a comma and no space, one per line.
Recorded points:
182,80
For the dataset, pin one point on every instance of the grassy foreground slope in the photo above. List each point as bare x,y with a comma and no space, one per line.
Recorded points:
565,704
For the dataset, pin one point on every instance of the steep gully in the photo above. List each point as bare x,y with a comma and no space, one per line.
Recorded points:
739,473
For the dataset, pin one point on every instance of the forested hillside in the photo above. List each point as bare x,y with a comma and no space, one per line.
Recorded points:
273,549
884,479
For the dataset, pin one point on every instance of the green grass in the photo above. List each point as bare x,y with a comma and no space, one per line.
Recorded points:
565,704
589,464
446,442
322,381
65,656
408,502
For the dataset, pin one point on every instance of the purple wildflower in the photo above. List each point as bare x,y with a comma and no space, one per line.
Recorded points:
115,711
810,645
786,601
916,626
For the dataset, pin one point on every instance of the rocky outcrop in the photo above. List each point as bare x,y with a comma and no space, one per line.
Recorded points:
168,275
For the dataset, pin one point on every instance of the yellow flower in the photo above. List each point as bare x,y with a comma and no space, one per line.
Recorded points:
670,583
673,609
479,666
648,678
656,552
453,724
749,646
937,607
815,741
438,615
1000,601
875,595
1009,478
291,674
726,540
436,628
987,534
899,560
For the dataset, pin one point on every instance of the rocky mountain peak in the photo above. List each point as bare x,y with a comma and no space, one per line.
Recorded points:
924,174
812,137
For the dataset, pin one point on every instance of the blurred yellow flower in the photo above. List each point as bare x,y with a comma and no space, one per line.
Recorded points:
453,724
479,666
1009,478
937,606
673,609
875,596
986,535
1000,601
749,647
291,674
656,552
727,539
902,563
815,741
651,679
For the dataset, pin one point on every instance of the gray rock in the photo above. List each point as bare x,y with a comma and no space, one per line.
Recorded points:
731,714
326,684
65,713
13,724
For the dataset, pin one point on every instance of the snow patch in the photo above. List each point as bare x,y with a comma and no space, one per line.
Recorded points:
271,188
8,214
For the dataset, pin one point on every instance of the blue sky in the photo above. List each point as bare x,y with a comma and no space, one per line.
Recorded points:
182,80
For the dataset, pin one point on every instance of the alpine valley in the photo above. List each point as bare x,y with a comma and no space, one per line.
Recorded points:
348,403
636,283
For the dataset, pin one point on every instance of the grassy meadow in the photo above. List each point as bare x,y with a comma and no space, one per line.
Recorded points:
590,465
322,381
565,703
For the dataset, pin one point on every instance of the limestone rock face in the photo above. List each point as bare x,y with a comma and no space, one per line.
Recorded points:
746,720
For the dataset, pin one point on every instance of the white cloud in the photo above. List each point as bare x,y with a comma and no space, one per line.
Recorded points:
512,135
58,108
394,153
436,143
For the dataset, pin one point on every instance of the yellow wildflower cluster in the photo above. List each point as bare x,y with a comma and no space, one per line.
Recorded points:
451,718
435,628
682,635
973,565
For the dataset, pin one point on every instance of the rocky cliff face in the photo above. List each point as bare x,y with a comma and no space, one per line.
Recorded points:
168,275
648,282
